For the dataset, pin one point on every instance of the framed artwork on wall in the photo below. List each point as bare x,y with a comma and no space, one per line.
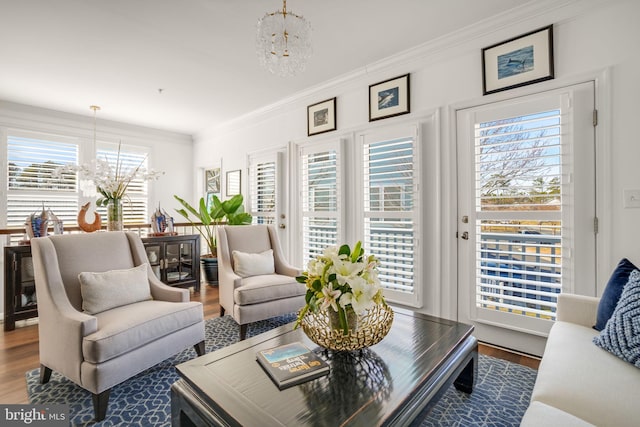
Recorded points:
389,98
520,61
321,117
233,182
211,185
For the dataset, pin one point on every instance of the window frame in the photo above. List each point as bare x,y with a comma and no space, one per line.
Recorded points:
35,194
336,145
413,131
87,151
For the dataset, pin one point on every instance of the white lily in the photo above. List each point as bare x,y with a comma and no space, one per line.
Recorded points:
329,298
360,297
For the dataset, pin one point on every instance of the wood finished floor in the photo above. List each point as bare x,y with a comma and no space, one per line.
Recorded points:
19,350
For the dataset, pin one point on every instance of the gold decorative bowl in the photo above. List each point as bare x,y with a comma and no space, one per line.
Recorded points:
372,326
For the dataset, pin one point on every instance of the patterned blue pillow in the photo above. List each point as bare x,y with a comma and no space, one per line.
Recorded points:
612,292
621,334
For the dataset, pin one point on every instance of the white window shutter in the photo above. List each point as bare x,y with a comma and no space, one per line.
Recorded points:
321,188
390,219
262,189
31,184
519,202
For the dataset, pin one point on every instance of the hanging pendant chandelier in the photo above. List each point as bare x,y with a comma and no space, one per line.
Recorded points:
283,42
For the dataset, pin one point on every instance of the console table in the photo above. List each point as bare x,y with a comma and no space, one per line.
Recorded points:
176,263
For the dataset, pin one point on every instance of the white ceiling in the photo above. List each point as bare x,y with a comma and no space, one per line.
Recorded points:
69,54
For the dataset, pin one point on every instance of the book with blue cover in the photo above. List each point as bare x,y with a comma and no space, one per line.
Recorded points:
291,364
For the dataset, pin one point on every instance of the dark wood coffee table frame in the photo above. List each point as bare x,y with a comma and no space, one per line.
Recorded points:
395,382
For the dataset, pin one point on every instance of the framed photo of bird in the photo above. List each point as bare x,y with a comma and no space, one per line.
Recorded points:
321,117
520,61
389,98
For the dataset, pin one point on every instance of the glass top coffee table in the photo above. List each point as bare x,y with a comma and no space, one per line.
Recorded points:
391,383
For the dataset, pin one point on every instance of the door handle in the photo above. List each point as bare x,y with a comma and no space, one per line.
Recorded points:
465,235
283,226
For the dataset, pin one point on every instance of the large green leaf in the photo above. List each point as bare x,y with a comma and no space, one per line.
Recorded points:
188,207
239,219
204,214
216,211
231,206
183,213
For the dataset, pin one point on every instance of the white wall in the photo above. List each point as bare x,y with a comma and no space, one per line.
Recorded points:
592,38
169,152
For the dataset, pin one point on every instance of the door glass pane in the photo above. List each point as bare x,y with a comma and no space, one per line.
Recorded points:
519,214
262,192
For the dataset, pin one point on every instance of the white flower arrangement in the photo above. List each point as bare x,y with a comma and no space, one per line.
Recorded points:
339,280
100,177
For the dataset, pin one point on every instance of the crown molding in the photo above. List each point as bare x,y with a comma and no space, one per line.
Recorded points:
536,13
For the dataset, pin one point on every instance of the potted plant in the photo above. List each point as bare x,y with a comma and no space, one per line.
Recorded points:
231,212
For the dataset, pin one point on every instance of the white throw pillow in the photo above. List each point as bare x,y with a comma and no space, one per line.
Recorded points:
114,288
253,264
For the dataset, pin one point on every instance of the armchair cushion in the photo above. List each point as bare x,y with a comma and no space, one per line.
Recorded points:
114,288
269,287
253,264
621,335
126,328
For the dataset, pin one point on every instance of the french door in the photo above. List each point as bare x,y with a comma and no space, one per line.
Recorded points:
267,187
526,212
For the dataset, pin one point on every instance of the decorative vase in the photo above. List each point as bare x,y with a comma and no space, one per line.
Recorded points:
114,215
352,319
372,326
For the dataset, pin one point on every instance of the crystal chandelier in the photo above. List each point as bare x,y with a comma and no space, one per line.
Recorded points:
283,42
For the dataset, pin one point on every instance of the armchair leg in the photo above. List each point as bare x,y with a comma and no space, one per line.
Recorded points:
45,374
243,332
199,348
221,311
100,403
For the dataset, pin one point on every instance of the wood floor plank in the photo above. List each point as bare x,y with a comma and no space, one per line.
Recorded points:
19,350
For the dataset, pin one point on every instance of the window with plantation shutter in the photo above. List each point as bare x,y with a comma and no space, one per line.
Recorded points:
262,189
527,207
321,188
134,204
519,214
390,216
31,183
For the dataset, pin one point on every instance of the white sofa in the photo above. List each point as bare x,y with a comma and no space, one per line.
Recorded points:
578,383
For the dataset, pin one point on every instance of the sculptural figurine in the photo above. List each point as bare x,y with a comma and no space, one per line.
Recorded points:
37,225
82,222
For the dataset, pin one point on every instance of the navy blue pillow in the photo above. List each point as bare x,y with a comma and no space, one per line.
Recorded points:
612,292
621,335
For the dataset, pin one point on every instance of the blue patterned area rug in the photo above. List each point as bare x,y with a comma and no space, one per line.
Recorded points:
500,396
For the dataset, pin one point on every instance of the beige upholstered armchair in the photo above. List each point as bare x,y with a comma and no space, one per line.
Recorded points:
255,280
103,314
